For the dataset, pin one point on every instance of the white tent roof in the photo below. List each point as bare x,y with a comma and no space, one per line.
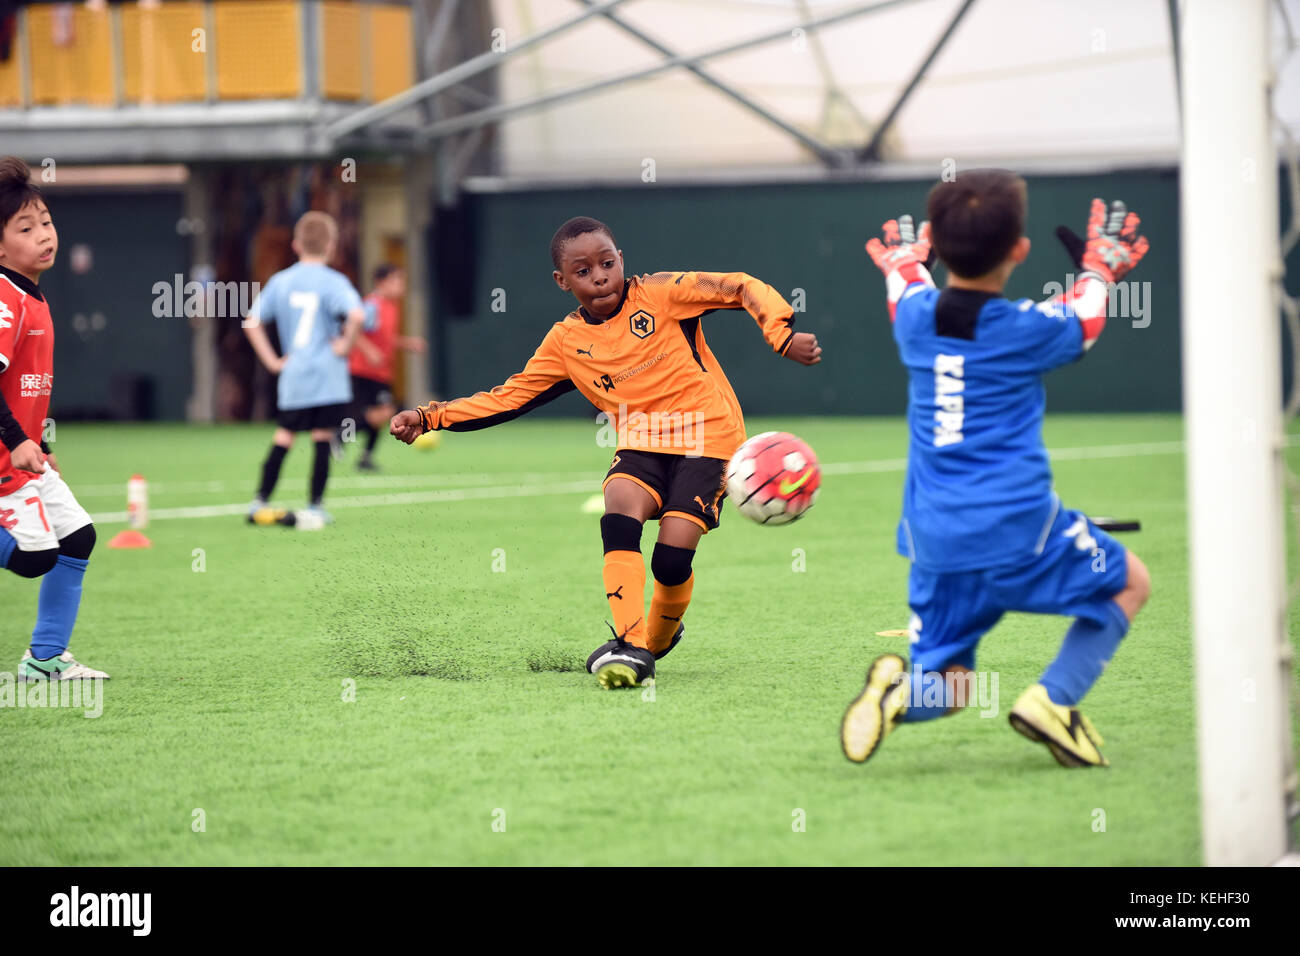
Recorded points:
1054,82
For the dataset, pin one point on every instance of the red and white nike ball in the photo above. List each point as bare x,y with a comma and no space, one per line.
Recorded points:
773,478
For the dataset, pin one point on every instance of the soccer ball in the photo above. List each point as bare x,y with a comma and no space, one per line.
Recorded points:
428,441
773,478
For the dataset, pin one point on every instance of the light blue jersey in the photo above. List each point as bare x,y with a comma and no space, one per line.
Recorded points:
309,303
979,488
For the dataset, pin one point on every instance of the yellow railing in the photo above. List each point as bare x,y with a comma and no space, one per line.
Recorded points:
187,51
259,53
70,61
163,58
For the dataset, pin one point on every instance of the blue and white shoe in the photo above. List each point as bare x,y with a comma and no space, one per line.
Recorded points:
313,518
63,667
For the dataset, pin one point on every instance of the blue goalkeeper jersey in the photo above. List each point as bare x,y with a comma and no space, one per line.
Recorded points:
979,488
309,302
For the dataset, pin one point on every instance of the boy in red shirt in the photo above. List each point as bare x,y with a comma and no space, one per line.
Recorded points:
373,359
44,532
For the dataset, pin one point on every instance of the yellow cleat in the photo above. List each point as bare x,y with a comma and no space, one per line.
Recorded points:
1068,734
877,710
267,516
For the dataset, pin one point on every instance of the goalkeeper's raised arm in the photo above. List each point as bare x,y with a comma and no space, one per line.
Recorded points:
904,256
1112,249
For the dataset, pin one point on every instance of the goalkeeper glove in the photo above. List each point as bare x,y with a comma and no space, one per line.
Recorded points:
1113,246
903,256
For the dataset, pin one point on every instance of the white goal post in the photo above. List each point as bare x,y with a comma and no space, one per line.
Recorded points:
1232,401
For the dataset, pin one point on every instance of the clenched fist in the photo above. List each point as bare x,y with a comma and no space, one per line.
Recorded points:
804,349
406,426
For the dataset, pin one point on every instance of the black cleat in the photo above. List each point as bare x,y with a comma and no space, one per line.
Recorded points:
620,664
677,636
605,648
612,645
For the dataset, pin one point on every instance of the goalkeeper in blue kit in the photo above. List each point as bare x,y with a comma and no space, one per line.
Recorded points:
981,524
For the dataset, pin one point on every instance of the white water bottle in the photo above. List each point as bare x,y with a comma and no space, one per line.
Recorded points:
137,503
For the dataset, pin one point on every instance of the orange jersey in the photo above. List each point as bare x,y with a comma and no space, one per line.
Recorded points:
647,367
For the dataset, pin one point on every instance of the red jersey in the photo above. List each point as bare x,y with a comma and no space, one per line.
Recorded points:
26,365
383,336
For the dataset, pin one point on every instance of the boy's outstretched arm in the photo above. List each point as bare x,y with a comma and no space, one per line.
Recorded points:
543,379
1111,250
739,290
904,256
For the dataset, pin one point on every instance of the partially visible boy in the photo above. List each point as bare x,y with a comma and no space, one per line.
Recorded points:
44,531
308,302
373,361
984,529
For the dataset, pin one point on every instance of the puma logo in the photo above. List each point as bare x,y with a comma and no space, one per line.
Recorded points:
616,593
587,350
705,508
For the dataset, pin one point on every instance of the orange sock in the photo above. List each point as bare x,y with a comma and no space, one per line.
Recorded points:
625,588
666,609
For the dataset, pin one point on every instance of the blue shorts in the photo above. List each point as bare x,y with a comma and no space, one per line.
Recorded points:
1076,572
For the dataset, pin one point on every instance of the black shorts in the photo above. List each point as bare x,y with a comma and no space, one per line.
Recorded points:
317,416
690,488
367,392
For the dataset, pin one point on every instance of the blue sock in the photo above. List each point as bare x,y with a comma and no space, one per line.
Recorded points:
1087,648
928,699
56,611
7,545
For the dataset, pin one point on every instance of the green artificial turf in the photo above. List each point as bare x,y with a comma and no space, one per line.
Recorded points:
476,736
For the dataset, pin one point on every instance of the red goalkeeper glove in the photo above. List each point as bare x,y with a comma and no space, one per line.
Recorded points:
904,256
1113,246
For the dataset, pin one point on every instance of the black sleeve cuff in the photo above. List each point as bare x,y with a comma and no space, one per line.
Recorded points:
11,433
788,339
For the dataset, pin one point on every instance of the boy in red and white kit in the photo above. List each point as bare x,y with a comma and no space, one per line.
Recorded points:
44,532
374,356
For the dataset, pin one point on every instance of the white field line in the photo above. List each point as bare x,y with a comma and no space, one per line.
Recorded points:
118,489
590,485
587,486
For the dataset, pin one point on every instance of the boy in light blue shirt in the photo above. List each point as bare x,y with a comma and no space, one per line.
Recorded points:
318,314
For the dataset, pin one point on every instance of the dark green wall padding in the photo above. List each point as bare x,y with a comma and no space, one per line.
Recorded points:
134,244
791,235
809,236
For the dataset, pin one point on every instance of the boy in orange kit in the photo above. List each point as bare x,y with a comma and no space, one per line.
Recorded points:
636,350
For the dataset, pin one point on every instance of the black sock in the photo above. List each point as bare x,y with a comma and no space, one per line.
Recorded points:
371,438
320,471
271,471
